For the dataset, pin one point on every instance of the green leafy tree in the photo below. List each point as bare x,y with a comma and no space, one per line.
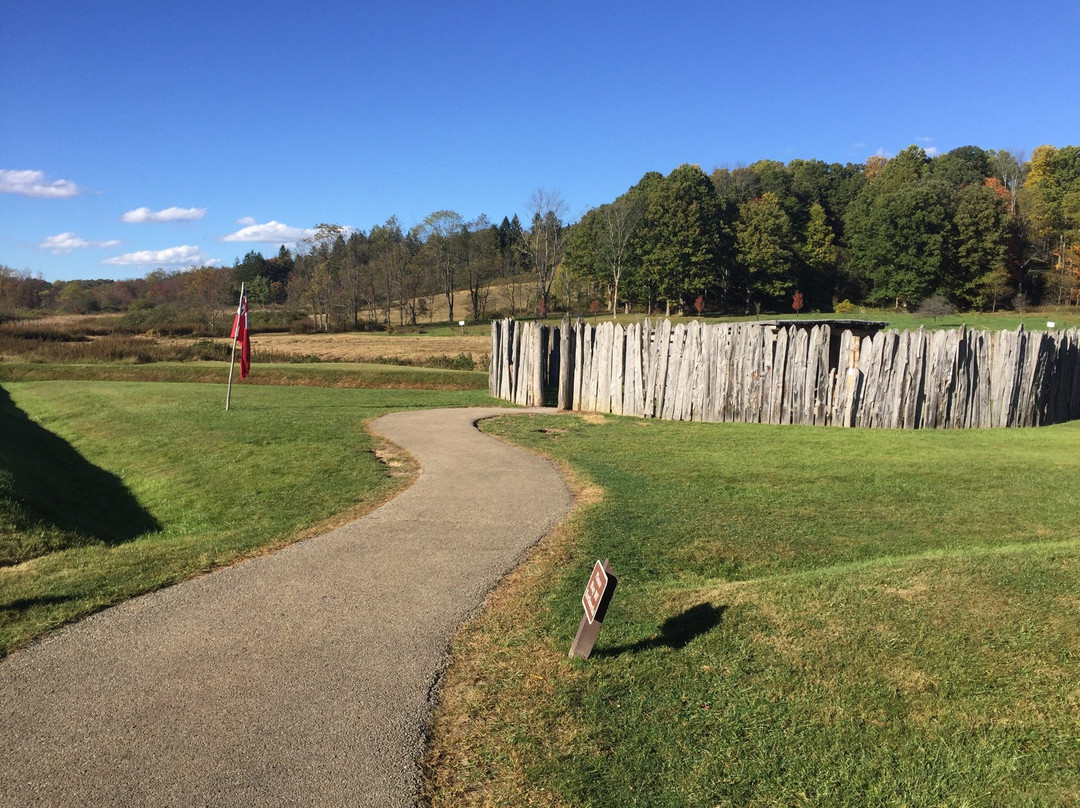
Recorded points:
897,231
258,291
818,253
583,252
766,249
245,271
644,283
510,254
76,297
967,165
981,233
682,246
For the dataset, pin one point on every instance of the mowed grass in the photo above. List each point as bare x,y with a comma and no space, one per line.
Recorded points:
1063,318
351,375
804,616
110,489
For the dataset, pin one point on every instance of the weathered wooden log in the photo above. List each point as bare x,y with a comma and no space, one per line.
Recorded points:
616,378
756,373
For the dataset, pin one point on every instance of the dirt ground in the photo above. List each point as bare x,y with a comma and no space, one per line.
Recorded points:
361,347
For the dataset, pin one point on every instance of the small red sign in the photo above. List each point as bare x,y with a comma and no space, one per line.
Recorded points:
594,592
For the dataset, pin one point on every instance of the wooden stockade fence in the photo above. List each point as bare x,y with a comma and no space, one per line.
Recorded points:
791,374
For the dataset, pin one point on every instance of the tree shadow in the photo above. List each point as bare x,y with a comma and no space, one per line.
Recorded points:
55,498
23,604
676,632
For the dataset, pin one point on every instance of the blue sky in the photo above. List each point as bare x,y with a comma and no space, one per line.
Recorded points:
138,136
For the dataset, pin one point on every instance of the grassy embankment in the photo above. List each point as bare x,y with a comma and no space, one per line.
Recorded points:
111,489
804,616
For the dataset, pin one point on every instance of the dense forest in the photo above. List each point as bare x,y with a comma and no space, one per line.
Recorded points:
973,229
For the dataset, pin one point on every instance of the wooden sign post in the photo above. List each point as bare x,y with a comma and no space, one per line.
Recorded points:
595,601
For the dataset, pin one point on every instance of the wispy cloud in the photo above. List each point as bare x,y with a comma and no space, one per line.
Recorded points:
34,183
186,255
66,242
270,233
143,215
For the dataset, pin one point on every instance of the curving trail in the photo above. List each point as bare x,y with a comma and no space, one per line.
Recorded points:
300,678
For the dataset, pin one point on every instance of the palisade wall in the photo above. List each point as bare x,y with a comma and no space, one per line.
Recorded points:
791,374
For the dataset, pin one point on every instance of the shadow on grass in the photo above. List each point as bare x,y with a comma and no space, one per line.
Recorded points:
676,632
52,498
22,604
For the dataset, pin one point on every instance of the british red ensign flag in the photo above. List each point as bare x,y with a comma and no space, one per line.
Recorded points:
240,334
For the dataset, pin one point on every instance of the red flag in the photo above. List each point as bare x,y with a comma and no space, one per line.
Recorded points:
240,334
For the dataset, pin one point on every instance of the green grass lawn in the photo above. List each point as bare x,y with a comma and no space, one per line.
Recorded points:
336,374
110,489
805,616
900,320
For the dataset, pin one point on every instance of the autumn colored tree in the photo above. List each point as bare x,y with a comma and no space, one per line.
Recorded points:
1050,202
208,291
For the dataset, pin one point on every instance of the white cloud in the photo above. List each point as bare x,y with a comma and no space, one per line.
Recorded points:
270,233
33,183
66,242
246,220
931,151
141,215
186,255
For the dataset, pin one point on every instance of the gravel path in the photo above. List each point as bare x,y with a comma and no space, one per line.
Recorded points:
300,678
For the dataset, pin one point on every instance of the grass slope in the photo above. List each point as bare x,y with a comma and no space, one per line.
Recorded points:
804,616
111,489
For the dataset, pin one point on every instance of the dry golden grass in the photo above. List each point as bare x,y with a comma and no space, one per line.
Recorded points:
65,322
366,347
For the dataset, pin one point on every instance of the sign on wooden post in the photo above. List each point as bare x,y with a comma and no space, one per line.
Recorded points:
595,601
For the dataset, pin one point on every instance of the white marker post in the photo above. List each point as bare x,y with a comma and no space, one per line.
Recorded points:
595,601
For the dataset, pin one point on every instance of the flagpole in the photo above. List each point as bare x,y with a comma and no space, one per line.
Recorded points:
232,356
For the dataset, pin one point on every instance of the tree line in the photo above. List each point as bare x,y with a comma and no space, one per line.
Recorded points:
342,278
980,229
